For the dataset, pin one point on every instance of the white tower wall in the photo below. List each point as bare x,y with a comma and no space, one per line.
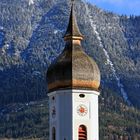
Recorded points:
68,118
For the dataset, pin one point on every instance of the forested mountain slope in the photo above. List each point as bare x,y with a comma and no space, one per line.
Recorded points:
31,37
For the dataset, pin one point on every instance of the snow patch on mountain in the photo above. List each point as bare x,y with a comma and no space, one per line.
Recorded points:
108,61
1,27
31,2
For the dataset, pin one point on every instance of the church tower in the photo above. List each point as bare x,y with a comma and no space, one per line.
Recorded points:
73,82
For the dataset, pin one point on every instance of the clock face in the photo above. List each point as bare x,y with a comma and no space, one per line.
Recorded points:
82,110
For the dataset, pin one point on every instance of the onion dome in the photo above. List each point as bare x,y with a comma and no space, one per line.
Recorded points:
73,69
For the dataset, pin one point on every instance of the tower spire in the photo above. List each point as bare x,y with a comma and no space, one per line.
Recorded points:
73,32
73,80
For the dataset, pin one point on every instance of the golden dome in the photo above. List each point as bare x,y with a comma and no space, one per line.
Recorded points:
73,69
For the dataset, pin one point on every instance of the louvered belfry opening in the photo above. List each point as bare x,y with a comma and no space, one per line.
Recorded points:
82,133
53,134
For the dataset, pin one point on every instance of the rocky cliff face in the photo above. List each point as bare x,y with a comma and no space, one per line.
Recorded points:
31,34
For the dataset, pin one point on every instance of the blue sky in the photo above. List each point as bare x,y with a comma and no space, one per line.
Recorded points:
128,7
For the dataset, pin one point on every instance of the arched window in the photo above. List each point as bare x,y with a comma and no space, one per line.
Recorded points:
82,132
53,133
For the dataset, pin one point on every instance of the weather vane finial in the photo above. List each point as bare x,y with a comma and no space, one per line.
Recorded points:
72,32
